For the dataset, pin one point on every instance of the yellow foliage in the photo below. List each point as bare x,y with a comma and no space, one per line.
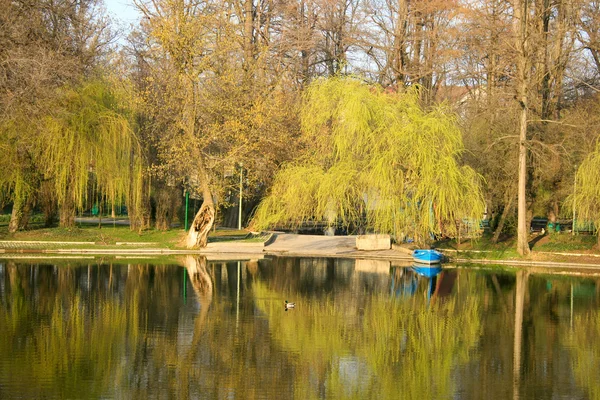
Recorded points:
379,156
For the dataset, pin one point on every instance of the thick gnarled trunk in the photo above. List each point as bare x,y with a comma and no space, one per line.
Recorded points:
197,236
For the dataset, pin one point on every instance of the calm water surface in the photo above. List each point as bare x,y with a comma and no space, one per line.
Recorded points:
360,330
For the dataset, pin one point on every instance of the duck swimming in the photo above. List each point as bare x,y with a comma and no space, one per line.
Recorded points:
289,305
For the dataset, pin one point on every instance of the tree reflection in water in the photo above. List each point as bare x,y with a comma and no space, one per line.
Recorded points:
364,345
583,339
62,343
359,330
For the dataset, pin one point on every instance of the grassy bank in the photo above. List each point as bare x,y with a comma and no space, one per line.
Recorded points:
505,248
109,235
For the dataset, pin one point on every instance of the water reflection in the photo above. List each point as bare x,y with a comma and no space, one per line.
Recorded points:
360,329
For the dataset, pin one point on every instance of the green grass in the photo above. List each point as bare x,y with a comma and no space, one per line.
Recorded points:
566,242
109,235
506,249
482,248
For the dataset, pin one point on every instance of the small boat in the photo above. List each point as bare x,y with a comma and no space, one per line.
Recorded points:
427,256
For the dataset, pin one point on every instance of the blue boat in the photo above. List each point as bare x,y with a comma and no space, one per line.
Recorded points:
427,256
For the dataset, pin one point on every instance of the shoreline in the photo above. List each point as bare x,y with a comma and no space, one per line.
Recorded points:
285,245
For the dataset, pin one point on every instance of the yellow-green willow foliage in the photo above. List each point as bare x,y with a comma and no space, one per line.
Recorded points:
16,182
582,341
379,154
412,352
587,191
69,352
92,133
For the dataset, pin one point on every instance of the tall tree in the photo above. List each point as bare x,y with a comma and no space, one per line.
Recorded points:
378,155
44,45
90,132
410,43
589,32
213,98
521,32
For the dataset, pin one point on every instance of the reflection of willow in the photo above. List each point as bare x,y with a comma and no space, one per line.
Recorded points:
585,349
68,351
379,349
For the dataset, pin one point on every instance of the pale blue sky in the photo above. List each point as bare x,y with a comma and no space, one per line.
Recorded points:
123,10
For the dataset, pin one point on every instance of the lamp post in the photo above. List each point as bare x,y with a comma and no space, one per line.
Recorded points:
240,204
574,227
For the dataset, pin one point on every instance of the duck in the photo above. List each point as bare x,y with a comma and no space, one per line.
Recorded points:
289,305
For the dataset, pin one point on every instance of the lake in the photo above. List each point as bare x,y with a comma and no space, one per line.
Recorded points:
360,329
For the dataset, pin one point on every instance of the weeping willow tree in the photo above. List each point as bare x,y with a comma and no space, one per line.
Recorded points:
92,134
587,194
375,155
19,179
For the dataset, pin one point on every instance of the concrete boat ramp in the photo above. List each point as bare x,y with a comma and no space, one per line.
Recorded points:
308,246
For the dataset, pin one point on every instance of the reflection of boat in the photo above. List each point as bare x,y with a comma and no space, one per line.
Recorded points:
440,282
427,256
427,271
430,272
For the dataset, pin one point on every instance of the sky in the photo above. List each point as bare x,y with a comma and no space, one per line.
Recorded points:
123,10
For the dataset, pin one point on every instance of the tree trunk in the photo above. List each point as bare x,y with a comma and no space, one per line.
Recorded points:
138,208
47,202
545,89
521,43
21,212
197,236
15,217
50,210
248,34
166,204
507,209
67,214
399,55
522,234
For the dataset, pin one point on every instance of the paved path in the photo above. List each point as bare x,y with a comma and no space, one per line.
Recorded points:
104,220
290,243
325,246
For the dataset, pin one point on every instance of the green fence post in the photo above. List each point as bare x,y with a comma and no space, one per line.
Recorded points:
187,201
